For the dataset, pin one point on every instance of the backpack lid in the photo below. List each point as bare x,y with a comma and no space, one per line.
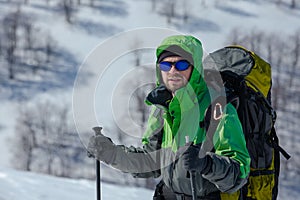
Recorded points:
244,63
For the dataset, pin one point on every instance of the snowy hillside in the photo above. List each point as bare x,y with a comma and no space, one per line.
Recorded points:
93,25
15,185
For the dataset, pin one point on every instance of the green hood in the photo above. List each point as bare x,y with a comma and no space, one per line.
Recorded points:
192,46
189,102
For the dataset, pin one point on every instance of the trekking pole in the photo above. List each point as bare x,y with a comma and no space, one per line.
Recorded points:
193,184
98,181
192,173
98,174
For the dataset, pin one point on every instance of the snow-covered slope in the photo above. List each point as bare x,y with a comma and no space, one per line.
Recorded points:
16,185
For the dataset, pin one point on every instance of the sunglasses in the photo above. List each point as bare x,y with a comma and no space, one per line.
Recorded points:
180,65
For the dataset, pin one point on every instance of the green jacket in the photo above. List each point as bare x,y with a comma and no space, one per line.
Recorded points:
174,118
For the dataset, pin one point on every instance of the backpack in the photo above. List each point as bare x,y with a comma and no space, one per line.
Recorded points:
238,76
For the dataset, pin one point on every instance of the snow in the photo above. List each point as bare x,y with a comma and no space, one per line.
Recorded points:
17,185
92,28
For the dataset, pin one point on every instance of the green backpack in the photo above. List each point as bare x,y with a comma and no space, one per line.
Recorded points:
239,76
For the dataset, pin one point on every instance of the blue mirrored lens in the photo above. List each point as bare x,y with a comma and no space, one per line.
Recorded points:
165,66
180,65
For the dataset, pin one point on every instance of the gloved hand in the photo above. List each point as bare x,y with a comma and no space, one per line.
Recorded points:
192,161
101,147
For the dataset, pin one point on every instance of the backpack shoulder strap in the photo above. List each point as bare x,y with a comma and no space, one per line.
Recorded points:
210,122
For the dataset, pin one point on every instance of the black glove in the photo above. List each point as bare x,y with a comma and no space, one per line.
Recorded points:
192,161
160,95
101,147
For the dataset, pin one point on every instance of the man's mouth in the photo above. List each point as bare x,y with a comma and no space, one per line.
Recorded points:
174,79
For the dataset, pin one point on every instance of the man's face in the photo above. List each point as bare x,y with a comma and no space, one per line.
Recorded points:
175,79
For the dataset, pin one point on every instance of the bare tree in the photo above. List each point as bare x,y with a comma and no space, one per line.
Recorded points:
46,141
139,109
278,2
1,46
58,129
137,52
49,49
169,10
25,141
21,45
278,65
186,11
68,10
11,22
293,4
28,35
269,54
29,32
92,3
234,37
153,5
252,40
256,41
295,57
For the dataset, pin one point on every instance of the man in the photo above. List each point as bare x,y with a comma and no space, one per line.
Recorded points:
178,105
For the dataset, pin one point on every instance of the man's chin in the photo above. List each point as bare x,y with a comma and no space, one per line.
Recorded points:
173,88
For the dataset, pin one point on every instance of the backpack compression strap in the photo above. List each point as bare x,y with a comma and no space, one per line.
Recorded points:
274,142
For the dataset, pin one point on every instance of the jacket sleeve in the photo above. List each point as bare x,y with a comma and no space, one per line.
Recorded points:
230,161
141,162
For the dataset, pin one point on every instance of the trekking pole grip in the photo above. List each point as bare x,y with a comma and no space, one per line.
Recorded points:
98,174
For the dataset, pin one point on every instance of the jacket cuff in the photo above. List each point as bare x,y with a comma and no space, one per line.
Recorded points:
208,167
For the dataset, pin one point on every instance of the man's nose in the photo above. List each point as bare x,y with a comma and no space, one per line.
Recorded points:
173,69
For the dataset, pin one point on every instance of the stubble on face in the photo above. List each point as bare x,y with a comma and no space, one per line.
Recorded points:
175,79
